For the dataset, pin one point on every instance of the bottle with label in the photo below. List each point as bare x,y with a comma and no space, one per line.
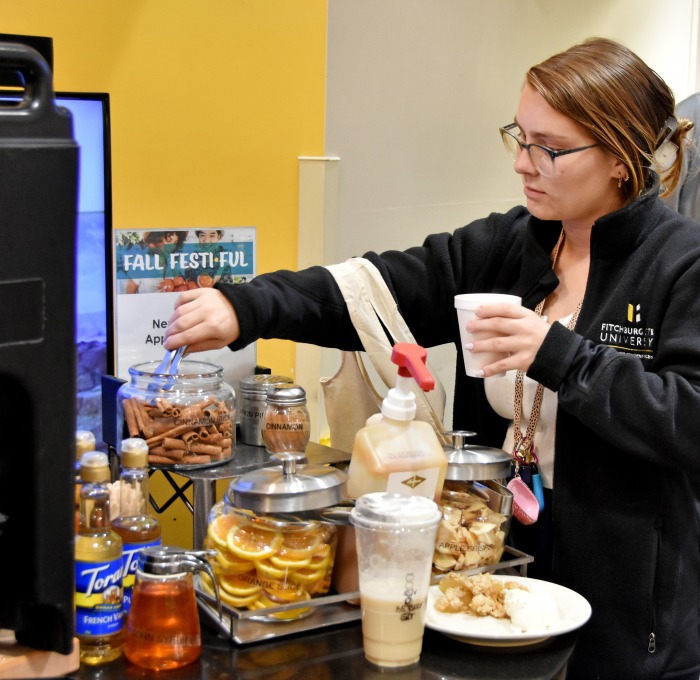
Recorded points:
136,527
394,452
84,442
98,567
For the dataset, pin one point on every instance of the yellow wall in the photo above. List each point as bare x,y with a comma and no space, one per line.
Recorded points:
212,102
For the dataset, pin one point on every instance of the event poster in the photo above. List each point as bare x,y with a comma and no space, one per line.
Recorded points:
153,267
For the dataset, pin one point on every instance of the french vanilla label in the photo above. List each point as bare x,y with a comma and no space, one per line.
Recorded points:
98,597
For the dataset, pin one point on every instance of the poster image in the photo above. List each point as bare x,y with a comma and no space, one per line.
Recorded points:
169,261
153,267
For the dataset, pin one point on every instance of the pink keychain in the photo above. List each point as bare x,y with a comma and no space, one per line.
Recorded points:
526,508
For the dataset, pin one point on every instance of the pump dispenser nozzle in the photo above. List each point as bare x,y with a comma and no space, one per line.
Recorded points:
411,362
400,402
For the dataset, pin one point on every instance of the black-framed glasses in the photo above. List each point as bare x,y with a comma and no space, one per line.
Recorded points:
541,156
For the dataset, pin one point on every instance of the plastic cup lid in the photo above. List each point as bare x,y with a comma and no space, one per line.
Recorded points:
391,510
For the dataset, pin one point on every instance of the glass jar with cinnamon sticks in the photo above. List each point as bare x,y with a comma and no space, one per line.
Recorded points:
188,419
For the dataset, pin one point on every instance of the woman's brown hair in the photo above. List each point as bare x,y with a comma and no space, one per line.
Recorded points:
621,102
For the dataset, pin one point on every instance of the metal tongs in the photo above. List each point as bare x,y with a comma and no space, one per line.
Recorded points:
168,367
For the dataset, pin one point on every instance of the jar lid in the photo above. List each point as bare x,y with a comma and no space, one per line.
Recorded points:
134,453
473,462
262,384
94,467
289,487
84,441
286,395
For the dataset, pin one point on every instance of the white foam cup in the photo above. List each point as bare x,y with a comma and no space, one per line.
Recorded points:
466,305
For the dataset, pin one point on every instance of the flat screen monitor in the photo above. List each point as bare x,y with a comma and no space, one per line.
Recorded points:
93,258
93,275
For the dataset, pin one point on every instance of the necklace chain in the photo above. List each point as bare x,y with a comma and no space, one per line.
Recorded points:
523,444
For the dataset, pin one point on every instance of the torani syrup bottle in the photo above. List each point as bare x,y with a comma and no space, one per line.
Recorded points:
136,527
98,567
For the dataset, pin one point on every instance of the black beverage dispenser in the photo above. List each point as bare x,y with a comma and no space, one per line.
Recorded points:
38,199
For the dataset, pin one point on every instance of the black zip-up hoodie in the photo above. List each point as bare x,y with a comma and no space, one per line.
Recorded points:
626,498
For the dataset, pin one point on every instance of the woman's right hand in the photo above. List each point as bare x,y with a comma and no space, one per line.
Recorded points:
203,319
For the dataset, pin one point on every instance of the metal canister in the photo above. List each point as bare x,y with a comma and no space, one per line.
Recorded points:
252,401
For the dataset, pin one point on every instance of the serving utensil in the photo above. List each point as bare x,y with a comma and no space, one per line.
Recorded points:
168,367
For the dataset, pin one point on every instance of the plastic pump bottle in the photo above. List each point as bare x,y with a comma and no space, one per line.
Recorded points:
394,452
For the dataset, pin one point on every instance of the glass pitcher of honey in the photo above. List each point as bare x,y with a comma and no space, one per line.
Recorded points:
162,628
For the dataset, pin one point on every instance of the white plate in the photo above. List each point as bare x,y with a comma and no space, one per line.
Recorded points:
574,611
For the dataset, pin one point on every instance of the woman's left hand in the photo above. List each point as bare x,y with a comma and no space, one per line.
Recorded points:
510,329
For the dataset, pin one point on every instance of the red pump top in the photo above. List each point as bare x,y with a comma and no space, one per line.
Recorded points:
411,361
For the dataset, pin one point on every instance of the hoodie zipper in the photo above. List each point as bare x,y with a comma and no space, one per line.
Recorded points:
651,642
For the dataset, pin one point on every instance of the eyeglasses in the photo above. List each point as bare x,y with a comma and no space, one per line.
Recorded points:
541,156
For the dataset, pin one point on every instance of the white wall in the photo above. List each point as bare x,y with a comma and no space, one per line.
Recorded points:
418,88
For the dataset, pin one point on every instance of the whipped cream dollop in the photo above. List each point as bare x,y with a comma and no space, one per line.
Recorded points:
531,611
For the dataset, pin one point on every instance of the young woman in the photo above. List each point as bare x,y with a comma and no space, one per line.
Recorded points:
610,329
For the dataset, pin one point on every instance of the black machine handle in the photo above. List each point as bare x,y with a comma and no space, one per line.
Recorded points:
37,96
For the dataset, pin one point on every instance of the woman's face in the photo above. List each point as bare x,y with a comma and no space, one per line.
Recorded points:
583,186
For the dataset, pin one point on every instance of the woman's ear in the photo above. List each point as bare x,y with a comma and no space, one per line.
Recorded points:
619,170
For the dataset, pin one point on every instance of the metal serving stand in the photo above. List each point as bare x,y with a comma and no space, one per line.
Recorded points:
248,626
244,626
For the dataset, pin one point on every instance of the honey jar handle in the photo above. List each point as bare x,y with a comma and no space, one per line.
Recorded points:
194,561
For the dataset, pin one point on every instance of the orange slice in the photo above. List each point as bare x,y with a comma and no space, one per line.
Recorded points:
237,602
252,543
318,563
239,585
290,593
322,550
266,568
225,596
219,529
257,605
286,615
307,576
284,561
232,563
298,544
207,584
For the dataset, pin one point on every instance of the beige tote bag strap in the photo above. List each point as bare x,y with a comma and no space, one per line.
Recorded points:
346,415
372,308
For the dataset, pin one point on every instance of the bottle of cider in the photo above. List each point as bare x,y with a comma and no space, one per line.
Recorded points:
98,567
393,453
136,527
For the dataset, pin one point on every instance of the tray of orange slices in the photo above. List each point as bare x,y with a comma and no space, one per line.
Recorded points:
273,575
